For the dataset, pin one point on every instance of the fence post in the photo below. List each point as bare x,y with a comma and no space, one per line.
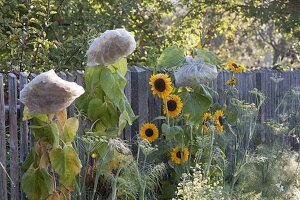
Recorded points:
139,98
13,131
23,130
71,108
154,102
3,177
126,135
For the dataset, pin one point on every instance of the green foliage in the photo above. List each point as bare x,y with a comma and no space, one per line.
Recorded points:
104,97
171,57
37,183
196,103
66,164
52,152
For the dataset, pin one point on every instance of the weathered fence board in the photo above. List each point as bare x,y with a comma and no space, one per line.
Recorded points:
3,177
23,130
14,141
144,104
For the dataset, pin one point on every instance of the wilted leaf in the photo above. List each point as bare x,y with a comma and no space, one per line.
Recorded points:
70,130
62,118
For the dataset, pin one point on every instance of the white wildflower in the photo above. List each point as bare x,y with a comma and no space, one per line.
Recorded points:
48,93
110,47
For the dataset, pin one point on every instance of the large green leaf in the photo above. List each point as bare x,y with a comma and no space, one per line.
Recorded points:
171,57
208,56
70,130
66,164
37,183
120,65
196,103
94,109
110,85
46,132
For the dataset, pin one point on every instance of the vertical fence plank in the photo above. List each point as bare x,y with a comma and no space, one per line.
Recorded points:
127,131
71,108
30,135
3,177
79,80
154,102
139,97
23,130
13,131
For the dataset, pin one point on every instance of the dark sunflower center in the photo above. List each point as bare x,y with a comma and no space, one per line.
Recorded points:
221,120
178,154
149,132
172,105
160,84
235,65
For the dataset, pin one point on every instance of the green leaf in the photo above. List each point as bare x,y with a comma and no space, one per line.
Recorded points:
66,164
30,159
208,56
165,128
196,103
120,65
171,57
82,103
37,183
95,109
110,86
70,130
47,132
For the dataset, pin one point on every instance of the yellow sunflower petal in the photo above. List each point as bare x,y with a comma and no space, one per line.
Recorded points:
206,117
161,85
174,105
149,132
232,82
218,117
234,67
178,156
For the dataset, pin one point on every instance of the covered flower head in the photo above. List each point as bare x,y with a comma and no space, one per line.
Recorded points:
48,93
195,72
110,47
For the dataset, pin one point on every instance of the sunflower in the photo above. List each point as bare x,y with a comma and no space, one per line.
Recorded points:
178,156
149,132
161,85
174,105
206,118
219,120
232,82
234,67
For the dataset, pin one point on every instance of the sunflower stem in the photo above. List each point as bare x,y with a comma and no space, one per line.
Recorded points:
210,152
191,145
166,108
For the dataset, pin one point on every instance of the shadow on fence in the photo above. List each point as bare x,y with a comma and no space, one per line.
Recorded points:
15,135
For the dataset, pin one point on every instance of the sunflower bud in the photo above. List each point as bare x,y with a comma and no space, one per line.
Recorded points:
110,47
48,93
195,72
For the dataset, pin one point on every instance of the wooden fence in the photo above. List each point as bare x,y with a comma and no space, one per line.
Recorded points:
15,134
